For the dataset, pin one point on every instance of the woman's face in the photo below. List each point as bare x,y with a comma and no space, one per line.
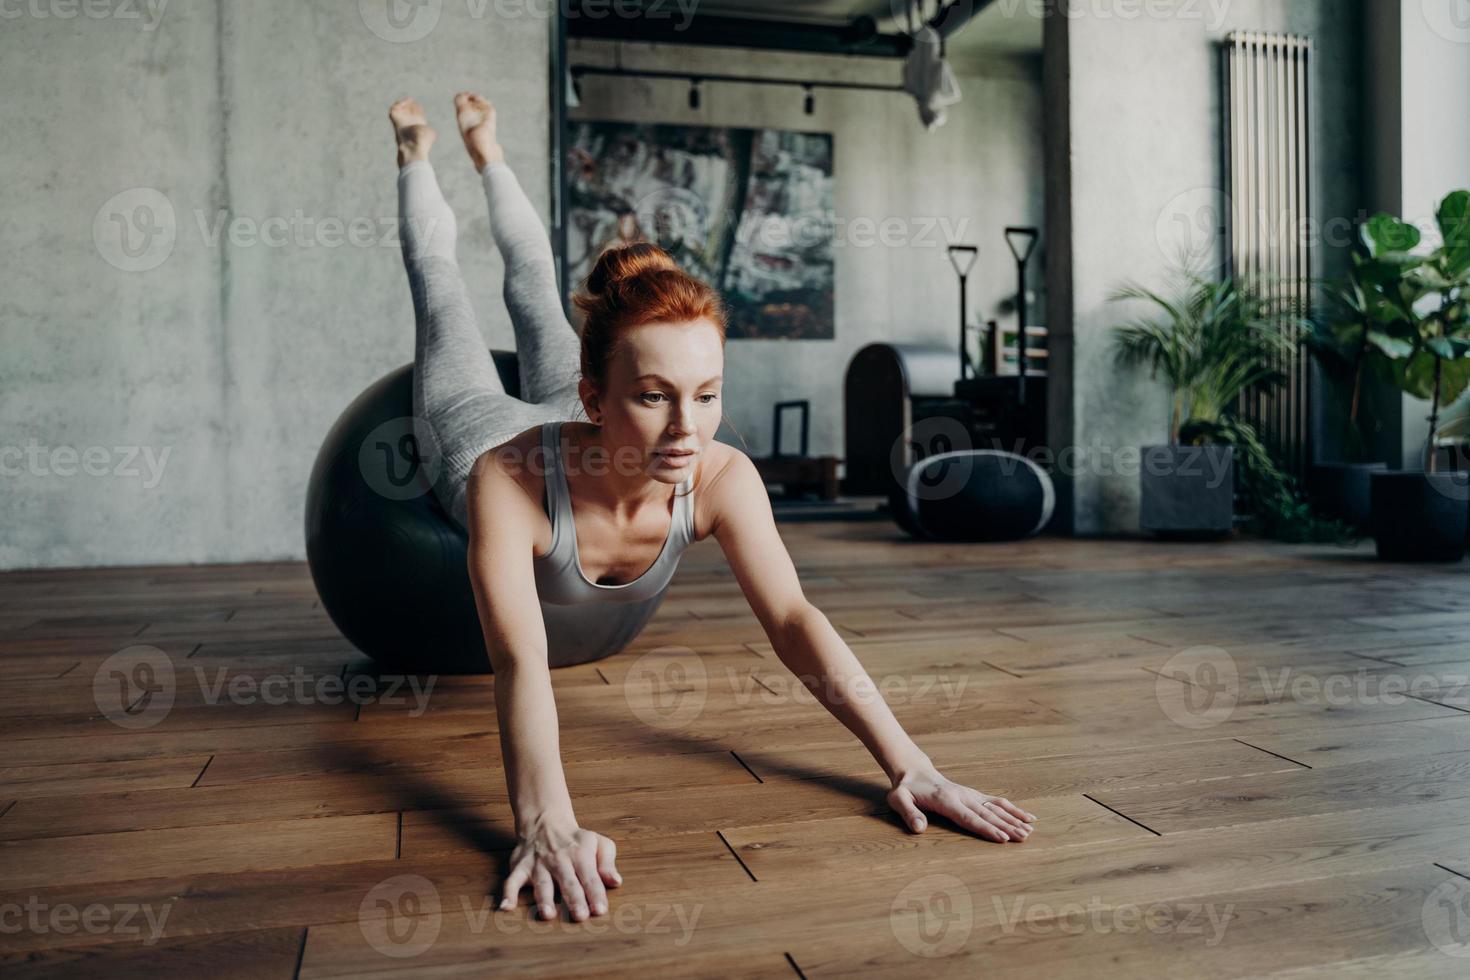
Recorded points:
662,397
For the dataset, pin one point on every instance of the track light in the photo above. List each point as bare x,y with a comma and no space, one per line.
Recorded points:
694,93
810,104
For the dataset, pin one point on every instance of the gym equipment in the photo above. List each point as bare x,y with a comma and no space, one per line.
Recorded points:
974,495
1029,235
798,472
887,388
390,565
963,272
1011,408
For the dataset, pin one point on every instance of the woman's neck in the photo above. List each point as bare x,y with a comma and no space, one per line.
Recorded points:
615,489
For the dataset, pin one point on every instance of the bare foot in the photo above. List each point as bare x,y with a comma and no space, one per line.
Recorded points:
411,127
477,125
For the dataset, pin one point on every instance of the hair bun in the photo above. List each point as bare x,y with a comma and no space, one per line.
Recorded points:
620,263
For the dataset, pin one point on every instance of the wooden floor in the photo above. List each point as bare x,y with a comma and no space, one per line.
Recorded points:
1229,777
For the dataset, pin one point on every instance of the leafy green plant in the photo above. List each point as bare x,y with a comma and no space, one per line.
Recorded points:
1420,316
1268,494
1342,339
1210,341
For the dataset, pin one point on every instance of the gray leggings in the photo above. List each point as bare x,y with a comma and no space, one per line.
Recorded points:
460,407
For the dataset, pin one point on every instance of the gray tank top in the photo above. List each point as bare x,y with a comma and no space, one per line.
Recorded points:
586,621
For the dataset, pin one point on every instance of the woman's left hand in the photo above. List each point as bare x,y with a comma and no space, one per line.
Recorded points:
992,817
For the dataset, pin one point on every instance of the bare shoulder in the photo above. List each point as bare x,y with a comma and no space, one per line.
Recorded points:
727,474
512,460
514,463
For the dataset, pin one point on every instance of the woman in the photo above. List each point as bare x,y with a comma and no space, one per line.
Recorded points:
551,589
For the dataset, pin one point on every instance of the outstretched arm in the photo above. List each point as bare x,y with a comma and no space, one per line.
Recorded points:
552,851
808,645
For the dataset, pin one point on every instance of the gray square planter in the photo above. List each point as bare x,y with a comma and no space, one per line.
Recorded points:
1187,490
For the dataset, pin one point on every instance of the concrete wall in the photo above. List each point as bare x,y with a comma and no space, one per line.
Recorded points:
979,172
1142,142
163,394
1419,147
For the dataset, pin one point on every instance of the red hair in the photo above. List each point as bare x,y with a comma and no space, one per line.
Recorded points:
631,285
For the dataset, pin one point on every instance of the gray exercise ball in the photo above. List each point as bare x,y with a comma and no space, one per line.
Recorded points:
974,495
389,563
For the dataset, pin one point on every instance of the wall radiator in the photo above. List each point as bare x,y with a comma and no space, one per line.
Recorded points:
1269,161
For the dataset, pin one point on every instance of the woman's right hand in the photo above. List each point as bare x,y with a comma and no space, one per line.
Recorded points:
562,856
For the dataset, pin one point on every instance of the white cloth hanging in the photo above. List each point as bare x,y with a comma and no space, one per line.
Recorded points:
929,78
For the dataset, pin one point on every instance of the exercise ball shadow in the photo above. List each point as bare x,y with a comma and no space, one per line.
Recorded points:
974,495
389,563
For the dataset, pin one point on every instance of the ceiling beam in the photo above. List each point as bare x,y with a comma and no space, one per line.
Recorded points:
600,20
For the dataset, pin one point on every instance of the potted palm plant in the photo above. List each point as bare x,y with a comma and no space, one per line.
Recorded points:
1209,341
1421,515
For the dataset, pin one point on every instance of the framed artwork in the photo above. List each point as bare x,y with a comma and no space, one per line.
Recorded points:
749,211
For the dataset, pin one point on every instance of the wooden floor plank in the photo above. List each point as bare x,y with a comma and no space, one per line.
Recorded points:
1241,800
235,847
1322,805
180,906
1225,934
82,778
778,852
255,954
